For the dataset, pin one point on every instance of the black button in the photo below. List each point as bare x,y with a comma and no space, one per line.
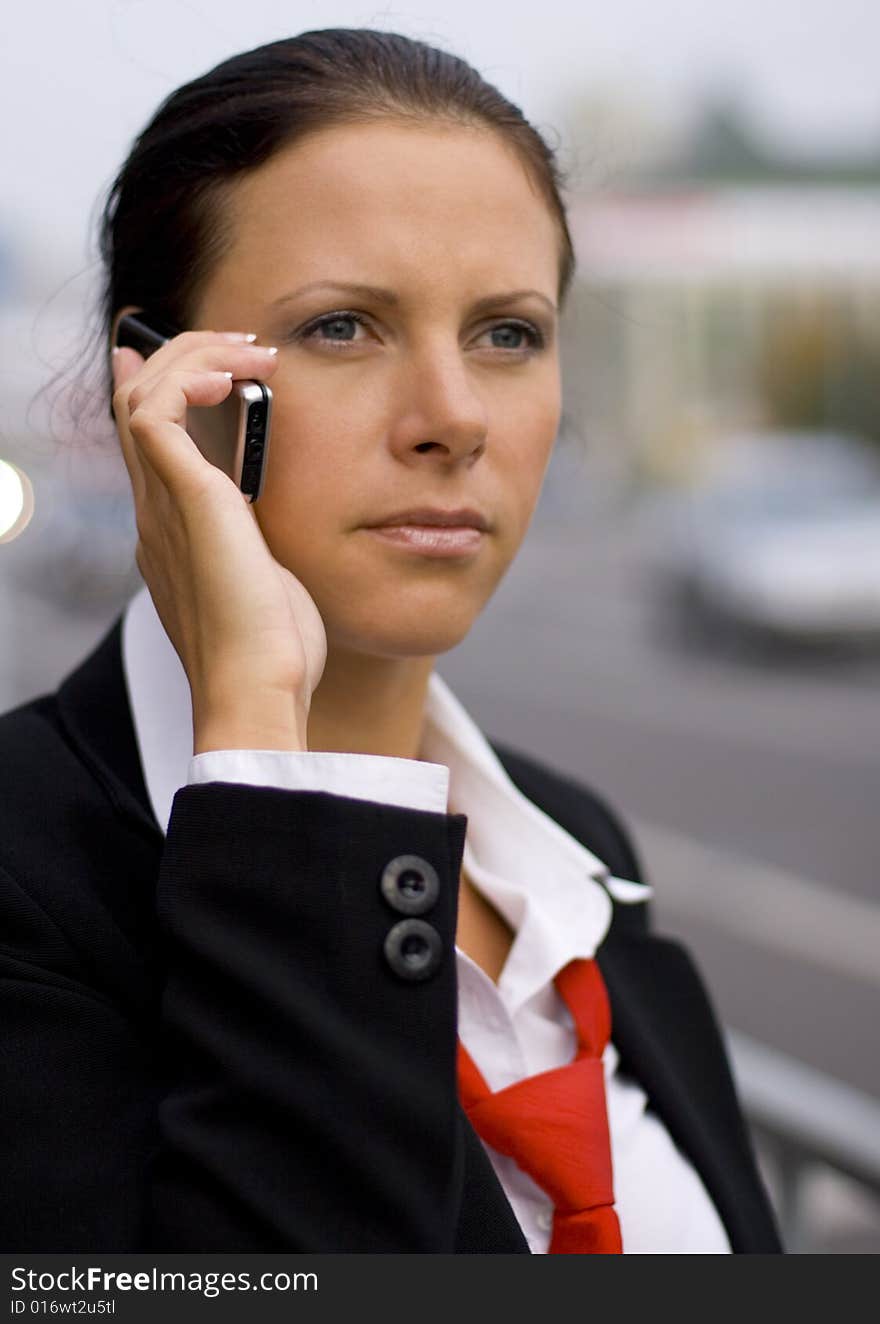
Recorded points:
410,884
413,949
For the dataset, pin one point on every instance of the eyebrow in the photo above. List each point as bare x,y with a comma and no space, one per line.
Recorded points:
392,300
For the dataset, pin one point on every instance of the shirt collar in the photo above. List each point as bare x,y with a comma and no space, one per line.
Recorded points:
545,883
551,890
161,706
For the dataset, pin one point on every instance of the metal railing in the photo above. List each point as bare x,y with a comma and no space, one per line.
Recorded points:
804,1119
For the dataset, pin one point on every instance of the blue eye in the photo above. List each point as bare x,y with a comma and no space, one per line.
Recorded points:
337,323
536,340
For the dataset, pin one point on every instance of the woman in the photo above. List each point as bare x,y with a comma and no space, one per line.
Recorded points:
281,867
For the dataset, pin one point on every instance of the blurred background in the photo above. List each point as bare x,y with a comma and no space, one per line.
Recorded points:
700,589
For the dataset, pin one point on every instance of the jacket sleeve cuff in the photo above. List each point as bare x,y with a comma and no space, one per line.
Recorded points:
407,783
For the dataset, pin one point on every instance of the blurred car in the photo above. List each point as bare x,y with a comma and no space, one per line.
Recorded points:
780,538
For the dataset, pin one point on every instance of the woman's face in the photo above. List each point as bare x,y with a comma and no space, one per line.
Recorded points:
385,404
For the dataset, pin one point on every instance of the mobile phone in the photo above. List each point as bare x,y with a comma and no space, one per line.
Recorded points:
233,435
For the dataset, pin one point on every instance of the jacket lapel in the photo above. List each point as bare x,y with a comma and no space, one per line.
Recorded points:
94,710
668,1039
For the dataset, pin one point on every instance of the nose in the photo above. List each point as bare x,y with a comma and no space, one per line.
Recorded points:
440,414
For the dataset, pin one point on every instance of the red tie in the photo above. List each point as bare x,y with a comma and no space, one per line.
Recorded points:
555,1124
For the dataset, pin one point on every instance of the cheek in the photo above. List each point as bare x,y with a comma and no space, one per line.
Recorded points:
311,462
528,452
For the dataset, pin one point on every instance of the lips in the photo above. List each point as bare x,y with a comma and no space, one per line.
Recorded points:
430,540
433,517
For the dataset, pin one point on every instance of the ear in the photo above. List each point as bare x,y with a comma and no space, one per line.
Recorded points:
114,327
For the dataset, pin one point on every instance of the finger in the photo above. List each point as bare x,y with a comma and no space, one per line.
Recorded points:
135,377
124,363
243,361
216,355
200,387
157,423
220,344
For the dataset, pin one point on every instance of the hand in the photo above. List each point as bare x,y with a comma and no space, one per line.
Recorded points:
247,632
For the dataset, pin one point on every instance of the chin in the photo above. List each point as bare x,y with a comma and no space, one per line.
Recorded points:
390,616
415,636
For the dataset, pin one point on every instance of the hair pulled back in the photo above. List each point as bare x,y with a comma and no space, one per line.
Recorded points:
162,228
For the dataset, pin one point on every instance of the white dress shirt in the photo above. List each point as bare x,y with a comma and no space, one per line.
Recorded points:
543,881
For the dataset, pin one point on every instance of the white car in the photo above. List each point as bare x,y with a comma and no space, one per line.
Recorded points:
781,538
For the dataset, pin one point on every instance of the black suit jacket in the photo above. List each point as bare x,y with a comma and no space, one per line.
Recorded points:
204,1047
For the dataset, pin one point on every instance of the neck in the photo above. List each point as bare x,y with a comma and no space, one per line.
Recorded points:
370,705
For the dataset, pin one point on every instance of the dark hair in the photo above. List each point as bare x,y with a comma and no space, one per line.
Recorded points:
162,228
163,225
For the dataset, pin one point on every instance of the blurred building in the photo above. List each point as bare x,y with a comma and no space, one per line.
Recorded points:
719,289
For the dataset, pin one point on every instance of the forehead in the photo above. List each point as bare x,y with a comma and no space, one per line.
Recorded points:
393,202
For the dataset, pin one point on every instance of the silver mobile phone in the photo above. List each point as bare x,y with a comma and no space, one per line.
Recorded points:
234,435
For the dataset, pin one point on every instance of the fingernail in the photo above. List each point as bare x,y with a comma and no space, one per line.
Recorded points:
249,336
272,349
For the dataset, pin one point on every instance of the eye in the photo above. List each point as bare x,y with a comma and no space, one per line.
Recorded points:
337,324
535,339
339,328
